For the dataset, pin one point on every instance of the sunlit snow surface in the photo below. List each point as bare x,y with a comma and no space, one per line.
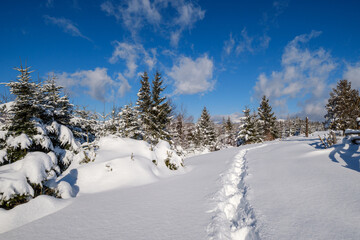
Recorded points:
291,189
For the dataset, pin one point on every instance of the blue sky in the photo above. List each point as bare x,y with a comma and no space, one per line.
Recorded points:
220,54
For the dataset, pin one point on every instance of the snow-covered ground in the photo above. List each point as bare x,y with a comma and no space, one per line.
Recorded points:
289,189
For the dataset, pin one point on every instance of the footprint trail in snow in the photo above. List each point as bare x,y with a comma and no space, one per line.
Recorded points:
233,216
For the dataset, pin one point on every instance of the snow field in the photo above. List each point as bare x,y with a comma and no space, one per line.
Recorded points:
233,215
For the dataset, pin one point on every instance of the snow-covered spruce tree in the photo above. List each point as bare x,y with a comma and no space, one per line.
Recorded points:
129,122
249,131
205,131
55,107
227,132
37,153
160,110
268,120
23,111
84,125
144,107
343,106
112,124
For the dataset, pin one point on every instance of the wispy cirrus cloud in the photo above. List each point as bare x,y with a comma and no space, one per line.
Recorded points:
135,14
245,43
66,25
303,76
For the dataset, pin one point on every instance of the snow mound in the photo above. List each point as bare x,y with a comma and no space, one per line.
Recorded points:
35,167
124,162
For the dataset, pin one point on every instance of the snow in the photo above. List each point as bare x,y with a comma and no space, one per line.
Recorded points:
299,189
290,189
352,131
123,162
35,167
22,141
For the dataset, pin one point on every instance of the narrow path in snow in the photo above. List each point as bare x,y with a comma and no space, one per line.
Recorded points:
233,216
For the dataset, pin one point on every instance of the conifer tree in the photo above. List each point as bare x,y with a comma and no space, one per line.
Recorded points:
129,123
160,110
144,107
343,106
56,107
228,129
268,120
205,130
249,131
25,105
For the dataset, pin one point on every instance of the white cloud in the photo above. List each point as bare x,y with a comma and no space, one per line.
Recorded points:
130,53
66,25
352,74
193,76
135,14
97,83
304,73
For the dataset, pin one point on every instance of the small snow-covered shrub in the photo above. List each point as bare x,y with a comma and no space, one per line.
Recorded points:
168,155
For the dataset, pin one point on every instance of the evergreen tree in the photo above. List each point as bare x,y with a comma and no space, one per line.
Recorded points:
144,107
84,125
205,134
268,120
160,110
249,131
55,107
129,123
343,106
228,131
25,105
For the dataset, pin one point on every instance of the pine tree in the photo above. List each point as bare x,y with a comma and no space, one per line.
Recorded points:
24,107
144,107
160,110
268,120
205,131
343,106
249,131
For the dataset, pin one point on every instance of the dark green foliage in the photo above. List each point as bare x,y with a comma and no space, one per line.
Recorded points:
343,106
170,165
268,120
24,108
14,201
144,106
160,110
15,154
205,130
249,131
54,106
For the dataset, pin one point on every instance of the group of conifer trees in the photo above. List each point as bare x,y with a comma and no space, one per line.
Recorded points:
152,117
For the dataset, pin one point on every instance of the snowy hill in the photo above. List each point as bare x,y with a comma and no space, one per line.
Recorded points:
291,189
